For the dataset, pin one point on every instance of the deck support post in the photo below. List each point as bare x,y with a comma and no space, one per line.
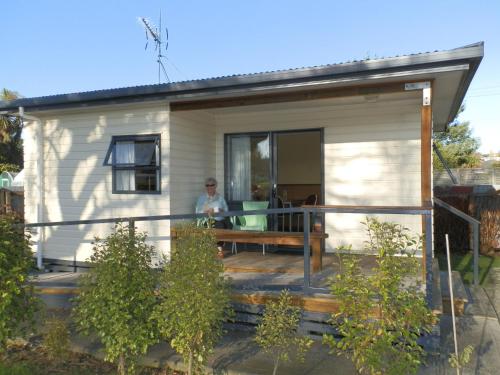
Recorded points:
427,257
307,254
426,181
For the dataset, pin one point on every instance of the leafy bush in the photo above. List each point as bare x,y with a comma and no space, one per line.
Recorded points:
117,297
277,331
381,316
194,297
7,167
56,338
459,362
17,300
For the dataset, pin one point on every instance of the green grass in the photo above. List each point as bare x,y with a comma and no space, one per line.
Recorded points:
463,264
16,369
32,369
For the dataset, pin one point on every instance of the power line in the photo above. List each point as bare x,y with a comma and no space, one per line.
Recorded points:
485,87
482,95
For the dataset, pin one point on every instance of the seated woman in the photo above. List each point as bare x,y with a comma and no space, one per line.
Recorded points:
212,202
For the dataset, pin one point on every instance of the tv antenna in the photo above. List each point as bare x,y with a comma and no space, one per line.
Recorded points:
156,34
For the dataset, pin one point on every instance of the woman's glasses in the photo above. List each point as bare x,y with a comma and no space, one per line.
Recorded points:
209,185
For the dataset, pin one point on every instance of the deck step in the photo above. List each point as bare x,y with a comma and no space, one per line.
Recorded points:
314,325
460,296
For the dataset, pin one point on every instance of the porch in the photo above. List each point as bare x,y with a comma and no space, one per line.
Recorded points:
332,150
256,278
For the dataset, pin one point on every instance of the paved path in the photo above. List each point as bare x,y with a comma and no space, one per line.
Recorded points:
479,327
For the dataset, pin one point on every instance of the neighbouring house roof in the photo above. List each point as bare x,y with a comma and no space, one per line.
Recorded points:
8,174
448,94
18,179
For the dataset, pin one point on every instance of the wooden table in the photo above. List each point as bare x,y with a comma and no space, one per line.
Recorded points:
274,238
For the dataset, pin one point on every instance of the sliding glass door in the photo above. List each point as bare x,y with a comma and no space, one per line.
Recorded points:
283,168
248,167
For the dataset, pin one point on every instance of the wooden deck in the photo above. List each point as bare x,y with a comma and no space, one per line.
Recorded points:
272,262
255,279
251,271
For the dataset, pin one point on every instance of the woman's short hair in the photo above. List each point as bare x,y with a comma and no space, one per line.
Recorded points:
211,181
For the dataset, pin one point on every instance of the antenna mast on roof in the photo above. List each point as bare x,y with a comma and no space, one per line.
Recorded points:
156,34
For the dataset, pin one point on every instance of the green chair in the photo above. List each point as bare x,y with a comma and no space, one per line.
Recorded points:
256,223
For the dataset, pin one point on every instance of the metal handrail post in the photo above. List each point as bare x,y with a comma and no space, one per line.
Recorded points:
428,258
476,252
307,255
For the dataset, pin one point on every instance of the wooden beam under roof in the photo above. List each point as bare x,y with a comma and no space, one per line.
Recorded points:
293,96
425,170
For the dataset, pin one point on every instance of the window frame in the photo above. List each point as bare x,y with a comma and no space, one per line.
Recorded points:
110,161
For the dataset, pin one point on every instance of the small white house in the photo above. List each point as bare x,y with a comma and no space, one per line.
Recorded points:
355,133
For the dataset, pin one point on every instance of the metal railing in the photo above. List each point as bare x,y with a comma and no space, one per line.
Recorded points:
468,176
307,211
475,234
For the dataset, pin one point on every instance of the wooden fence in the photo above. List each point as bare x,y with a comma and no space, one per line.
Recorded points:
486,208
483,207
12,202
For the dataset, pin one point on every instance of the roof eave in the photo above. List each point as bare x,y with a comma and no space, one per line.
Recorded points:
462,90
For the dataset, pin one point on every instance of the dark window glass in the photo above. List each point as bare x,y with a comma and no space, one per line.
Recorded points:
135,162
146,180
145,153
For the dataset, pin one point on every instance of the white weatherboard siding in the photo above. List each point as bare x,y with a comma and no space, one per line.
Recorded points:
32,181
371,152
79,187
371,157
192,136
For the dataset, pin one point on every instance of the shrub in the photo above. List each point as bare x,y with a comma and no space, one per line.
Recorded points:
17,300
56,338
194,297
8,167
381,316
277,331
459,361
117,297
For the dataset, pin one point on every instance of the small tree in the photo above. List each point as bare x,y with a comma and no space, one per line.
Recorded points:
5,167
194,297
56,339
11,143
277,331
382,316
462,359
17,300
117,296
457,146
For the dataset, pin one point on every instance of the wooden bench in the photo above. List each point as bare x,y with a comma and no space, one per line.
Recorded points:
273,238
277,238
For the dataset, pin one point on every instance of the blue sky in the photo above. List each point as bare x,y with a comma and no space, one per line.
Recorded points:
52,46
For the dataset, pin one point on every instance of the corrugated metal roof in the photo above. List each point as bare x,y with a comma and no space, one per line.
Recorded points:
158,91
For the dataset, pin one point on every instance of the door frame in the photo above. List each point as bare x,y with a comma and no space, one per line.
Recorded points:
273,161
